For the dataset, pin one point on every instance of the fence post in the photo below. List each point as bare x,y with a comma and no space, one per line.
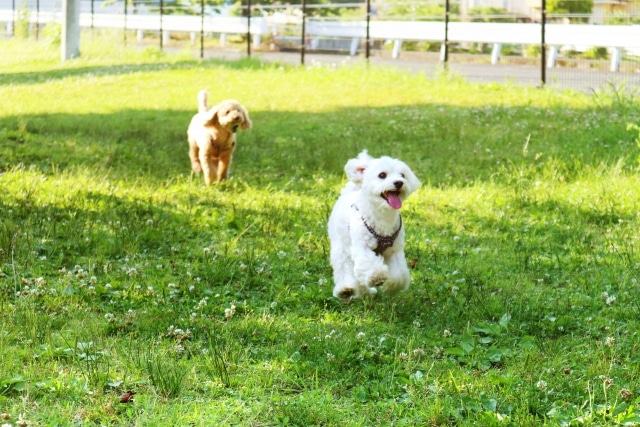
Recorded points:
543,45
161,32
37,18
248,28
125,22
70,29
303,43
445,55
201,29
368,40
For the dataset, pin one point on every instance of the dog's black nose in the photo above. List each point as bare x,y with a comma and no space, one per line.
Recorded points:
398,184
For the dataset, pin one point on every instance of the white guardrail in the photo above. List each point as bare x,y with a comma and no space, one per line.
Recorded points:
181,23
620,39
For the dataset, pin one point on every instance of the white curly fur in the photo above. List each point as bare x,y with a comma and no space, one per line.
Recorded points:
372,197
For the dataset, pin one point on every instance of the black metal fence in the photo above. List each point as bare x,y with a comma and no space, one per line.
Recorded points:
267,29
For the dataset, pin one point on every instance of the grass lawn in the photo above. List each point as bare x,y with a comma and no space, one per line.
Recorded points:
120,271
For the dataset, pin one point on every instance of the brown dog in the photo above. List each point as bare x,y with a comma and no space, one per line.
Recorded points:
212,136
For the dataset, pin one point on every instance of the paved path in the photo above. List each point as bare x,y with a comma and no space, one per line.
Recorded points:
579,79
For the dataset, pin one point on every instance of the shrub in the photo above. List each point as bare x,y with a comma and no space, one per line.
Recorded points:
53,33
22,22
596,53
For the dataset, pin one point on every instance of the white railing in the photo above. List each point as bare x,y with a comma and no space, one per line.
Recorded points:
619,38
181,23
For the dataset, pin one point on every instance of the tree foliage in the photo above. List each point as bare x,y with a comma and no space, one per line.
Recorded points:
569,6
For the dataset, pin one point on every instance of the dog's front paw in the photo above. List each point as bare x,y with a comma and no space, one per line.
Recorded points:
378,276
346,295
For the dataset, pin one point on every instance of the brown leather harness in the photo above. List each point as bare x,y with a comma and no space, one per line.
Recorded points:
384,242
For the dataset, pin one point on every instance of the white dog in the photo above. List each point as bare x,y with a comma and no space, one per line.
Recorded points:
365,228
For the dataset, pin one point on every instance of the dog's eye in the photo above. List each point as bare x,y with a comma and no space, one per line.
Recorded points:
382,175
402,175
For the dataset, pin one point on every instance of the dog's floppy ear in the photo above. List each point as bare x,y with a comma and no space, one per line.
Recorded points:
355,167
413,183
246,123
211,117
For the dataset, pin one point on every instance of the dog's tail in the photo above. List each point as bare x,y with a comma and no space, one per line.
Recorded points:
203,101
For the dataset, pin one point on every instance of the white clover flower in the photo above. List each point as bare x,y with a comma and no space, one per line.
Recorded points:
110,317
541,385
229,312
610,300
610,341
446,333
322,281
360,335
330,357
418,352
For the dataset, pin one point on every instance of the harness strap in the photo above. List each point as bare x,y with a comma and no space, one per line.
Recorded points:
384,242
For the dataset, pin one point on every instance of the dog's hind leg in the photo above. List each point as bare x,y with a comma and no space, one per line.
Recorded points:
345,283
399,276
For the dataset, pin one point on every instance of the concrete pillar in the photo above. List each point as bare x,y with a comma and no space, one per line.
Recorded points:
70,29
397,46
553,56
495,53
615,59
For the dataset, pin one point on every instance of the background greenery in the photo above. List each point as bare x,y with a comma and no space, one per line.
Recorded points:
120,271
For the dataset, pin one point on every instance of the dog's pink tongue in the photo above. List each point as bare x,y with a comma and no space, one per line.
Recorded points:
394,201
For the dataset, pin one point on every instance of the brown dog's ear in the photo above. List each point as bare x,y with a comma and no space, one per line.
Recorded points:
211,117
246,123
